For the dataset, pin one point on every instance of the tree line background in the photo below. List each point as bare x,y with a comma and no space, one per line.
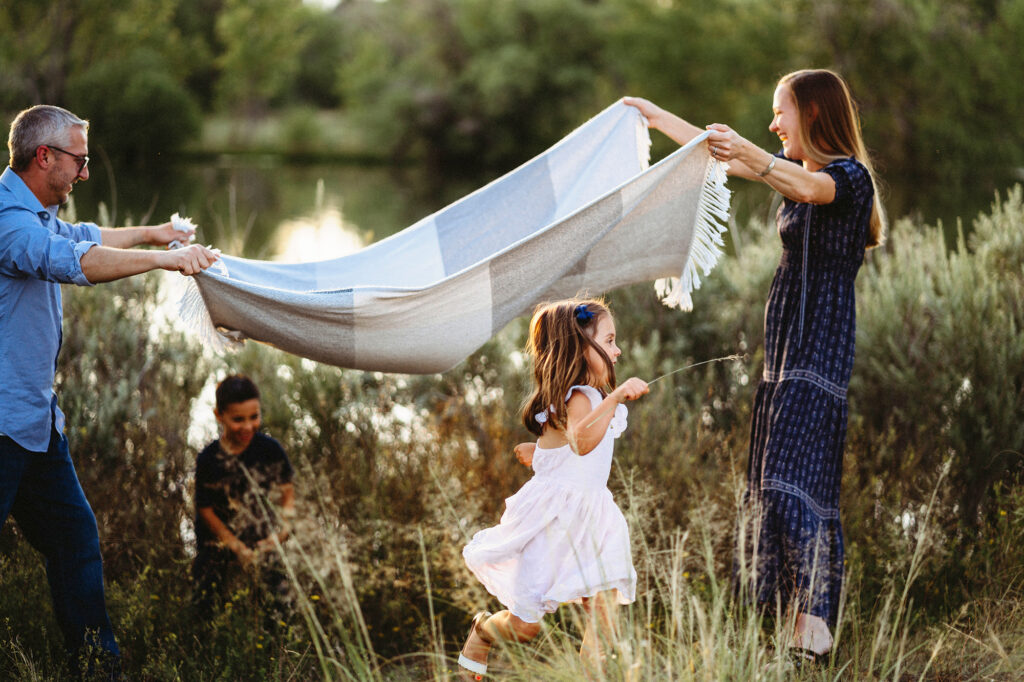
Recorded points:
471,84
395,472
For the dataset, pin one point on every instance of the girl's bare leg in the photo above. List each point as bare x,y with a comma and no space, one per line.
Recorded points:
506,625
601,629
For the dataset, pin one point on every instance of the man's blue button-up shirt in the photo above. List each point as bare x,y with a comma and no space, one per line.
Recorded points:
38,251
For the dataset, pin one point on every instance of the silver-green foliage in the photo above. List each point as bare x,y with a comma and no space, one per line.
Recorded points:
940,366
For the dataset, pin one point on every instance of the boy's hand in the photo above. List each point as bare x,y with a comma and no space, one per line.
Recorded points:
524,453
270,543
631,389
246,557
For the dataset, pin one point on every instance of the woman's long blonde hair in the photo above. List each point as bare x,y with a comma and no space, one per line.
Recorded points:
830,129
560,334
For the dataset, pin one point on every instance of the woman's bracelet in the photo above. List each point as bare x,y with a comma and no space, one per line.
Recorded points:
766,171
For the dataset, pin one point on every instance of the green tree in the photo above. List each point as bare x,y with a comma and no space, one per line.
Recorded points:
471,81
151,114
707,63
194,20
939,85
35,39
121,65
317,78
261,42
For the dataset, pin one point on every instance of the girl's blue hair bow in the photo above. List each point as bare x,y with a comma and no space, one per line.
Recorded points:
583,315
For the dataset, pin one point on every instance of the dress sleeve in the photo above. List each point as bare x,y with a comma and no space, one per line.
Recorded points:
592,394
853,183
618,422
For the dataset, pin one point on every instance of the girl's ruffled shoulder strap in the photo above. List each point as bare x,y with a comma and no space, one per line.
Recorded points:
592,394
619,419
618,423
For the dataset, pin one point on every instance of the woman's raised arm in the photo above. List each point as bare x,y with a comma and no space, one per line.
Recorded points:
676,128
746,160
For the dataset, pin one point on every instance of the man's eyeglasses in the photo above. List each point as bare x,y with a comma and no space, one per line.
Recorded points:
83,159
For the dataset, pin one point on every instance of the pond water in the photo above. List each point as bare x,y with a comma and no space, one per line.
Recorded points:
262,207
258,207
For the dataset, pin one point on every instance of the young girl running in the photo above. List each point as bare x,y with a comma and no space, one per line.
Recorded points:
561,538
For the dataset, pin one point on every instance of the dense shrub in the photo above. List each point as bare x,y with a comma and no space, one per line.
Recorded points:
941,368
137,109
470,83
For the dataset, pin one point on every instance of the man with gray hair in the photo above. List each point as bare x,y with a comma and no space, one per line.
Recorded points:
38,252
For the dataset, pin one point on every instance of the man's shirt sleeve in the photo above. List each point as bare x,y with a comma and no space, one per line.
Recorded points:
27,249
80,232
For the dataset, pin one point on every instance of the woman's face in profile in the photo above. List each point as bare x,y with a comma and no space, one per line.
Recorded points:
786,122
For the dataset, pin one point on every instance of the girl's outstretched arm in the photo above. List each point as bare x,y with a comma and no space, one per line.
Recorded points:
587,426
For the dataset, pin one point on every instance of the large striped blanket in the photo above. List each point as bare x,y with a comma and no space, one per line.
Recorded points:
586,215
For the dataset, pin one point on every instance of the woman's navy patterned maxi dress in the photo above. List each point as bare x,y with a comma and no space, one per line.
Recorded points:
799,424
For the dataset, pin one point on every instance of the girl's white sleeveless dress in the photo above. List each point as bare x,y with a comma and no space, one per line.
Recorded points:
562,537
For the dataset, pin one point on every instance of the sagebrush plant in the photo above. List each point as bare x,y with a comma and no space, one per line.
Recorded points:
939,375
394,473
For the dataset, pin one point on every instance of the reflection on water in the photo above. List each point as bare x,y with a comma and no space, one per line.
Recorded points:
322,235
319,237
242,205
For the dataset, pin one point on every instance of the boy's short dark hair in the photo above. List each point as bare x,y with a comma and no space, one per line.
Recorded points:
236,388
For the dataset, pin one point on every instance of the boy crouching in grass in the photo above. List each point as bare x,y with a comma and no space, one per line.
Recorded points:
237,531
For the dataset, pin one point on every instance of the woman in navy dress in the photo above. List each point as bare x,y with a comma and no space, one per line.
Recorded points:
829,216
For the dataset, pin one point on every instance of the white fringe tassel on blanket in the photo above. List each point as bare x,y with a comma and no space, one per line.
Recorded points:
587,215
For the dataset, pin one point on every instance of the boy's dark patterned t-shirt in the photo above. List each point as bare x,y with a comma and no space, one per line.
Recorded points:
222,483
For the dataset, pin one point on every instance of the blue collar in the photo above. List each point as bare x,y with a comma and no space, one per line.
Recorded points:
24,196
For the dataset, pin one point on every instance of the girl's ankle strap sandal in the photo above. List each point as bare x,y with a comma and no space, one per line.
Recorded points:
480,669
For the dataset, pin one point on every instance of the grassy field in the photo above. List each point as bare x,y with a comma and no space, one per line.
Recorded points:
395,472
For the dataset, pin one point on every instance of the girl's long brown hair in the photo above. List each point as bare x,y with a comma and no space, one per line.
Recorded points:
830,129
559,336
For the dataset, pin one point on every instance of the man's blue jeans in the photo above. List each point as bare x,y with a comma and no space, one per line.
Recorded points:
41,491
